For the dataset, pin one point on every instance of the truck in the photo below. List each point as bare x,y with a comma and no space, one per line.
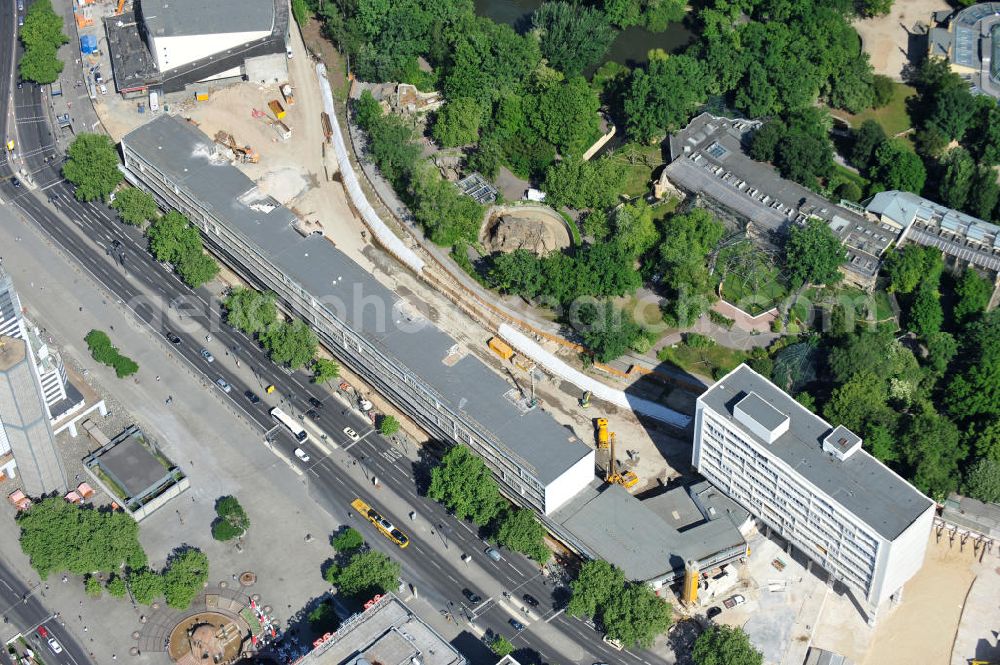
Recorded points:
276,108
56,88
734,601
286,92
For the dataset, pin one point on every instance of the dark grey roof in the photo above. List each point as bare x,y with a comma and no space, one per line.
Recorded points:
132,465
614,526
862,485
184,153
972,514
938,42
175,18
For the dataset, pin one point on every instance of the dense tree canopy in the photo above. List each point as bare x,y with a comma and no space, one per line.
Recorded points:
725,645
800,146
60,536
813,254
41,35
366,574
593,184
92,165
975,390
687,241
290,343
134,206
184,577
662,97
573,37
174,240
519,530
465,486
894,166
231,519
250,311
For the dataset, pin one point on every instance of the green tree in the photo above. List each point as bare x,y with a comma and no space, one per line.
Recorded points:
367,573
290,343
92,165
932,450
595,585
519,530
896,167
573,37
982,482
231,519
973,294
687,240
116,587
92,586
865,139
388,425
197,269
875,7
465,486
518,272
634,228
323,617
40,64
134,206
941,349
445,213
860,400
41,35
725,645
983,194
324,370
501,646
985,440
607,331
975,389
959,173
146,585
250,311
925,315
636,616
565,115
348,541
908,267
103,351
172,238
184,577
663,96
593,184
457,123
300,12
813,254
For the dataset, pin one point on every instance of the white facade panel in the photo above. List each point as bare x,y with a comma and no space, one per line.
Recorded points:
569,484
173,52
906,555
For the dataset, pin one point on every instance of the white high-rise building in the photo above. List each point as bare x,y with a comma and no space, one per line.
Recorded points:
812,484
48,365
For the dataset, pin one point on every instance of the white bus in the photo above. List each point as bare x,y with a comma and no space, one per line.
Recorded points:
296,429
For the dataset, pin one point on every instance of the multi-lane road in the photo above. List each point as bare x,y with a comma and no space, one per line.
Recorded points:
116,256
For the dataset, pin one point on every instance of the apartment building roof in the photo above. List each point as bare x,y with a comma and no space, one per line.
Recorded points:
860,484
398,327
175,18
707,157
929,223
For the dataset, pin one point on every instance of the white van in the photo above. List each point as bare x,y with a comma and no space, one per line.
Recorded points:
154,102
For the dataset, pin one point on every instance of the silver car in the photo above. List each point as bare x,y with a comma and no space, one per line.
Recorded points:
222,383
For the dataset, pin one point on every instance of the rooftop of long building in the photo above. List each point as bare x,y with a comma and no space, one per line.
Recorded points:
460,380
860,484
179,18
708,157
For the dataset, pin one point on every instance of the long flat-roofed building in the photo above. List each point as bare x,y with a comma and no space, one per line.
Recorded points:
386,632
813,484
380,336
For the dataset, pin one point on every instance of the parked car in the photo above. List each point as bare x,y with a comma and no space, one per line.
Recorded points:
42,632
207,355
222,383
494,554
15,182
516,625
529,600
471,596
251,396
734,601
55,646
313,413
713,612
104,89
351,434
172,338
301,454
315,402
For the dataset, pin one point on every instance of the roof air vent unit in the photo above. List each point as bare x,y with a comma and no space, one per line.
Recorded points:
762,419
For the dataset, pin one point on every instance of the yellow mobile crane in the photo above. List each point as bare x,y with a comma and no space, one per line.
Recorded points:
628,479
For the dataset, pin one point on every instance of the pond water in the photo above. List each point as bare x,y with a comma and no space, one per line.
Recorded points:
630,48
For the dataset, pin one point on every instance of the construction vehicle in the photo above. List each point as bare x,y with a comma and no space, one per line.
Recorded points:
286,92
276,108
384,526
121,8
628,479
585,400
501,348
244,154
602,433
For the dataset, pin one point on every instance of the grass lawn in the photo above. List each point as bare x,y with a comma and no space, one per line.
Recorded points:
750,300
715,361
115,488
893,118
639,160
